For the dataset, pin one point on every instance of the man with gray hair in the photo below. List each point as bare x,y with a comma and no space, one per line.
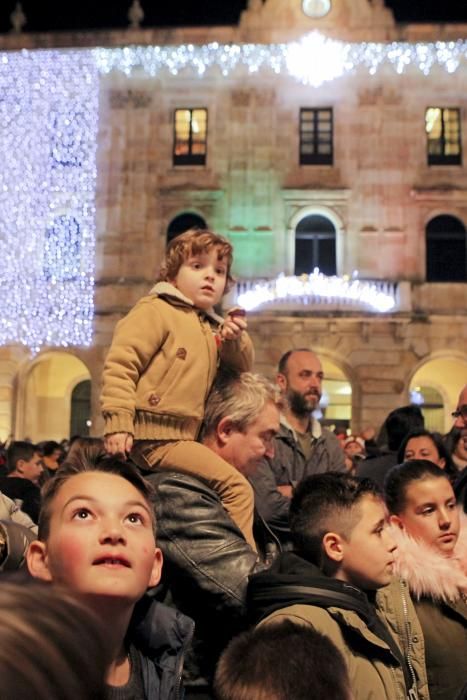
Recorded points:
207,561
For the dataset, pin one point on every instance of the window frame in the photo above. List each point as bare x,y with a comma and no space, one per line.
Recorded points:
444,159
316,158
190,158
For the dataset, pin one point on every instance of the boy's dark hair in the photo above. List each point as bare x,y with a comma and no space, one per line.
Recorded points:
438,442
108,465
19,450
48,448
400,477
401,421
281,661
326,503
195,242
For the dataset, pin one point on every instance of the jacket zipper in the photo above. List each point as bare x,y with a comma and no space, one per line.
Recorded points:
412,694
181,662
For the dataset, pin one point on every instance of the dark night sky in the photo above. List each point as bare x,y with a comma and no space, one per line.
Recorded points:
50,15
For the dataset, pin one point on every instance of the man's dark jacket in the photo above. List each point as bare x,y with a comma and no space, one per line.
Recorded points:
207,562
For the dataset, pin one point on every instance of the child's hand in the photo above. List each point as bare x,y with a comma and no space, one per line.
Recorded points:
234,324
118,443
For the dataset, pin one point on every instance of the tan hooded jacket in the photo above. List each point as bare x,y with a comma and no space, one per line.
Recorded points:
161,365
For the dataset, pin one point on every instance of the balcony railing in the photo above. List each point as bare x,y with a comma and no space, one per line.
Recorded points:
317,292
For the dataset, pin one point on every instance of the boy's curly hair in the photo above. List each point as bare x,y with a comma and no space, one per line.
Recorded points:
195,242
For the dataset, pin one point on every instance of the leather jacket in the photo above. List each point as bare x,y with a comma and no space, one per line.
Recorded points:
207,561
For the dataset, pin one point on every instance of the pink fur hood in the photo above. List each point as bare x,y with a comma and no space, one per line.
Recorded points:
427,571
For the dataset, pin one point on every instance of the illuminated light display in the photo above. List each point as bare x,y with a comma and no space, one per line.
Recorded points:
48,142
309,289
48,136
313,60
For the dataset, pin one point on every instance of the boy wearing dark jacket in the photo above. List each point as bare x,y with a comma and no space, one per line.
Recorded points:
96,537
339,581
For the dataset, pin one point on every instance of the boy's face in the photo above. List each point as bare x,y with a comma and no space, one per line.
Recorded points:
368,552
101,540
202,278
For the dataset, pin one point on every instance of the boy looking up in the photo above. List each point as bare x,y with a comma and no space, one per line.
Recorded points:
96,538
162,363
339,581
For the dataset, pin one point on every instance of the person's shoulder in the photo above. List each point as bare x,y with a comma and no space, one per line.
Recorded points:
317,617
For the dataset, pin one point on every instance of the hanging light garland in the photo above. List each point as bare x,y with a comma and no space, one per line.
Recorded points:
48,135
313,60
316,288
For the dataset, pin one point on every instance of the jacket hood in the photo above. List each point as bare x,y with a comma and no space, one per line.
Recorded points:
165,290
427,571
292,580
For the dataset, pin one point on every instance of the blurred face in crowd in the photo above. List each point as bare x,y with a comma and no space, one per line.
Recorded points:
301,383
423,447
461,419
30,469
430,513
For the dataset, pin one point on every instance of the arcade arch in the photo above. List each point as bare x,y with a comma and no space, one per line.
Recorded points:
45,389
436,384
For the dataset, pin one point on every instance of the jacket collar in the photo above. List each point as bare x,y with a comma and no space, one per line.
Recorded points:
287,431
427,571
165,290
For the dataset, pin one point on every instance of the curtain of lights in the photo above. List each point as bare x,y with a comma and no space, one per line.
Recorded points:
48,136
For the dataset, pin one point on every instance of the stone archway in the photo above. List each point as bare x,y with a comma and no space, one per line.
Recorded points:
437,383
336,402
45,391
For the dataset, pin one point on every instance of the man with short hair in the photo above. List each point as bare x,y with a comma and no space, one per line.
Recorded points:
207,560
302,447
24,469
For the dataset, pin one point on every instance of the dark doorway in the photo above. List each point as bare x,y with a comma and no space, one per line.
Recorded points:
80,409
446,250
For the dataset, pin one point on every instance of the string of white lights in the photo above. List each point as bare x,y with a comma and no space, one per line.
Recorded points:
313,60
315,287
48,135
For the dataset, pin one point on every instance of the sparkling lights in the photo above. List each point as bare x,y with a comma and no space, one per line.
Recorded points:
310,289
48,134
313,60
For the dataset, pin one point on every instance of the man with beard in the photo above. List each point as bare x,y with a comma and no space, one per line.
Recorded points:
301,448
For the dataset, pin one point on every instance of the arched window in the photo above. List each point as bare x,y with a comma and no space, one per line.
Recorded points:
446,250
182,223
315,245
80,409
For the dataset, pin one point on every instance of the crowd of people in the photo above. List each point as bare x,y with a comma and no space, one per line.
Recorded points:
218,541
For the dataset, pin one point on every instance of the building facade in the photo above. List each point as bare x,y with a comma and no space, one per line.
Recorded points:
314,134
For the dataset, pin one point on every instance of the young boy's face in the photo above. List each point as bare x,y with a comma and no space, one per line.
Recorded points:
202,278
101,540
368,552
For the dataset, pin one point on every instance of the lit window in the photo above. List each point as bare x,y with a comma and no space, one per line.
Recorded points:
443,131
316,147
190,136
